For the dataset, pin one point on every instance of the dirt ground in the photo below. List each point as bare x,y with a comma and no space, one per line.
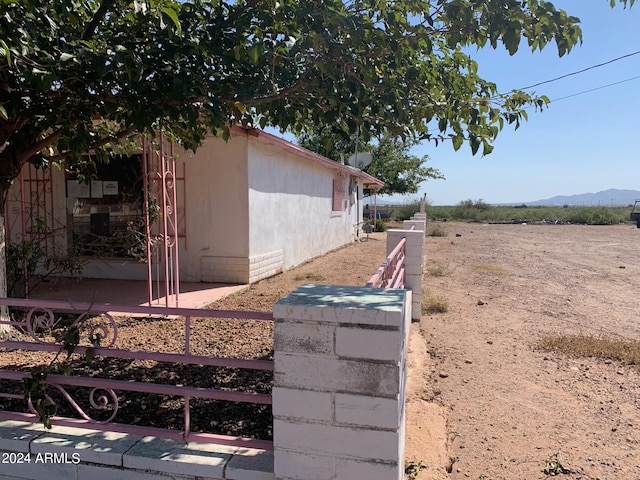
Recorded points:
508,407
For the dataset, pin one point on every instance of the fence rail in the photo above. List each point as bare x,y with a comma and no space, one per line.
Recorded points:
99,337
391,273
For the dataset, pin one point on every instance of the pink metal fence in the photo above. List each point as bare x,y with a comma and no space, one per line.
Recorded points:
391,273
39,316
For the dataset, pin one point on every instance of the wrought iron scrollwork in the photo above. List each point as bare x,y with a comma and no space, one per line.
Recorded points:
102,330
108,399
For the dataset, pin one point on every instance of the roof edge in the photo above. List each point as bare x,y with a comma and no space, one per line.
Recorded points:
369,180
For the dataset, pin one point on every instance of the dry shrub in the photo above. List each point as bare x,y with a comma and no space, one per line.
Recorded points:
438,270
625,351
488,268
433,303
314,277
436,231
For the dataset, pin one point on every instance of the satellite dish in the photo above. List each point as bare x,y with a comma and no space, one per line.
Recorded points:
360,160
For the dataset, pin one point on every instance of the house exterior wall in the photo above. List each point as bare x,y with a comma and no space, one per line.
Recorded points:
217,231
291,206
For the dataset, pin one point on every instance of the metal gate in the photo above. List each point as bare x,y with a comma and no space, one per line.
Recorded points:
164,219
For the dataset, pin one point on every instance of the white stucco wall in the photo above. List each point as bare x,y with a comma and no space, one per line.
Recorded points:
290,205
216,210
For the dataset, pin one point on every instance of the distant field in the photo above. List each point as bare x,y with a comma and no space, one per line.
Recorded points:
479,211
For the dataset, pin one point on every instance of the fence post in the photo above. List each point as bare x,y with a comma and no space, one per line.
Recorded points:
413,263
338,396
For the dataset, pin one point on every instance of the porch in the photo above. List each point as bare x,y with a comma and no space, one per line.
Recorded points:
130,292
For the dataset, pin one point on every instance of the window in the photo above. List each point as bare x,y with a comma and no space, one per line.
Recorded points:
105,213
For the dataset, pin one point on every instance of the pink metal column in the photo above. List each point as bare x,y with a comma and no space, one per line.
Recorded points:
159,170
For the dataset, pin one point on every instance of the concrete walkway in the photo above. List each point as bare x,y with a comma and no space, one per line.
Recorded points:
130,292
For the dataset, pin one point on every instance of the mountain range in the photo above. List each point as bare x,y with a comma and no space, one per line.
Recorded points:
611,197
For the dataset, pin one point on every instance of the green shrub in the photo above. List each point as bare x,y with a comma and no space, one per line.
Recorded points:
406,211
380,226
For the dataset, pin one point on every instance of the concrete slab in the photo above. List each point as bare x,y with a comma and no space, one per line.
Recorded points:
172,456
130,292
94,446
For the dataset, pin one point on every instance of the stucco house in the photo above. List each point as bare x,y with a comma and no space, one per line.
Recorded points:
236,211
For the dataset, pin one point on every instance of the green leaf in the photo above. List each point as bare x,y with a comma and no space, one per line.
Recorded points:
474,142
171,13
7,52
457,142
254,54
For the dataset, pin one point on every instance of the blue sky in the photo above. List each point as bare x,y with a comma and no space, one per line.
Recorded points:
586,143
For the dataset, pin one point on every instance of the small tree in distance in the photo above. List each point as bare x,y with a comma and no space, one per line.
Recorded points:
401,172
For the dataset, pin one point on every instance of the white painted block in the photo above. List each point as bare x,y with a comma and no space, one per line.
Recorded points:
94,472
368,411
38,470
15,436
91,446
353,469
330,374
171,456
251,465
317,439
303,337
298,466
368,344
303,404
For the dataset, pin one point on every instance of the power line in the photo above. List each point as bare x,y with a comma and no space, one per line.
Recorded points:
581,71
597,88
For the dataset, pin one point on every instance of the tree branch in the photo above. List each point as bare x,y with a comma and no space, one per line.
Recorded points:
100,143
90,30
24,156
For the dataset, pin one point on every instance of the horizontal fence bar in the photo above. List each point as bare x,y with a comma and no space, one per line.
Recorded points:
379,277
157,388
145,431
142,355
151,311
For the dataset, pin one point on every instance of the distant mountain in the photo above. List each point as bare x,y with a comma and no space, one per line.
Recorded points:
611,197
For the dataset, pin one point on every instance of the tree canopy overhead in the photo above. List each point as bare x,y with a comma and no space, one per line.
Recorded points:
197,65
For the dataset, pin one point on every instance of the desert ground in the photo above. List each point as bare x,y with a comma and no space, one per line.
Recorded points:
492,404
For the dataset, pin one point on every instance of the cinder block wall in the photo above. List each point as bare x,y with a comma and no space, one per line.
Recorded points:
338,397
413,263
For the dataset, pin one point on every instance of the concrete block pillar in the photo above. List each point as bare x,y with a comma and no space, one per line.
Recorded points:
418,224
413,263
338,396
